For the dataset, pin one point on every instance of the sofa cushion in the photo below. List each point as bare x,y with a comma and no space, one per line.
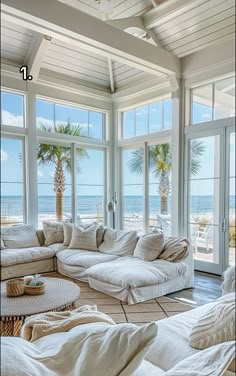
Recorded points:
2,244
149,246
53,232
120,243
175,249
215,326
24,255
20,236
83,258
57,247
68,229
84,238
132,272
172,343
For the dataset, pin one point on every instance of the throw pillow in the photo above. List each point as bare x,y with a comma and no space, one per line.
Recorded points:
67,229
120,243
2,244
91,349
84,238
175,249
149,246
215,326
228,284
53,232
20,236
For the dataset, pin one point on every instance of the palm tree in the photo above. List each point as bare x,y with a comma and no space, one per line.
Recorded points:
60,158
160,163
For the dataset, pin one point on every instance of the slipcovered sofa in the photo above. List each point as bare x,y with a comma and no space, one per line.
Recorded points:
116,271
170,354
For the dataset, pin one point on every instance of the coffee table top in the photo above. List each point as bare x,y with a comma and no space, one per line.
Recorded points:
59,293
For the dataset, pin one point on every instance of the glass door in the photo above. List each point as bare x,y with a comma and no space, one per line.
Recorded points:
230,225
205,204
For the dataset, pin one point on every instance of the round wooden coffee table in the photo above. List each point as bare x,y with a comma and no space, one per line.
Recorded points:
60,295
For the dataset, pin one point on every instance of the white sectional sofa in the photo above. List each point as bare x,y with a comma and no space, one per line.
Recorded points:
127,278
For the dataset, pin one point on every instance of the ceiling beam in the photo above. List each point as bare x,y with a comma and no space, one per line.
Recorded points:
62,22
112,84
167,10
36,54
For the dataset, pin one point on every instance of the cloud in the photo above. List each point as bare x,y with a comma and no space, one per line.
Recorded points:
12,119
4,155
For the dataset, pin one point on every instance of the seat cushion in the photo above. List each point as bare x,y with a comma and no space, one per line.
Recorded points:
133,272
57,247
17,256
83,258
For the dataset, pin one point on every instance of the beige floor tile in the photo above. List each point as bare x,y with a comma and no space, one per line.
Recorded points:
86,289
113,308
93,294
175,307
146,302
81,284
92,301
139,308
118,317
163,299
145,317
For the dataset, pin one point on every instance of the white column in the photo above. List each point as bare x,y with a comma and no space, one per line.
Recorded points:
111,155
31,159
177,212
74,203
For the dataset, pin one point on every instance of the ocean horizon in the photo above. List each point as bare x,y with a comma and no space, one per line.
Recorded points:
200,205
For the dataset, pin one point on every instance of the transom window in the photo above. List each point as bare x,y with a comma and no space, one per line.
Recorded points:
147,119
53,117
213,101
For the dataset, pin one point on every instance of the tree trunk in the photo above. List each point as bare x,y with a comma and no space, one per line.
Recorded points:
59,188
164,205
59,206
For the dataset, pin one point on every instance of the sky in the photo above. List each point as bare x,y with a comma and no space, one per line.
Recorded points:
91,179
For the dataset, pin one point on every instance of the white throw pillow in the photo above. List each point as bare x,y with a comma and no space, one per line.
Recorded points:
53,232
97,349
175,249
150,246
67,229
20,236
120,243
215,326
84,238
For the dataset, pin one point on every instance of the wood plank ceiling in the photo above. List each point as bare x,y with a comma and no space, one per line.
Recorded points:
189,26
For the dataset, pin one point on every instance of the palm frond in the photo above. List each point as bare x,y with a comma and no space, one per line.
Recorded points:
136,163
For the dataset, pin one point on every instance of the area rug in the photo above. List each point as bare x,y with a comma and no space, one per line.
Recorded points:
151,310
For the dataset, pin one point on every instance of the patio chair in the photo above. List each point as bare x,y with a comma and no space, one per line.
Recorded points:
165,222
204,239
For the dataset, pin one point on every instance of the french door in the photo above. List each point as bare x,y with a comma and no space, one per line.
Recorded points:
210,188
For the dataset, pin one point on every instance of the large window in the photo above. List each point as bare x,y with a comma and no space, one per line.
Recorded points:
54,183
147,119
12,182
12,109
213,101
54,117
90,184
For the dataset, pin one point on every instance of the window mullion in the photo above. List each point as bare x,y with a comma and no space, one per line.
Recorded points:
74,202
145,188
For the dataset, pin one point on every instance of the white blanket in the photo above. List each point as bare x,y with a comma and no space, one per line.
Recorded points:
43,324
97,349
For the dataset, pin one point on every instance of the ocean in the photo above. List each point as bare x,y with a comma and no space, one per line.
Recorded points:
92,205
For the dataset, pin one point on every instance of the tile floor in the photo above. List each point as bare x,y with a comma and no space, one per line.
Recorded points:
152,310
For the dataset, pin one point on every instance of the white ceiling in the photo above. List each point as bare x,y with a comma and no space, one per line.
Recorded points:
189,26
